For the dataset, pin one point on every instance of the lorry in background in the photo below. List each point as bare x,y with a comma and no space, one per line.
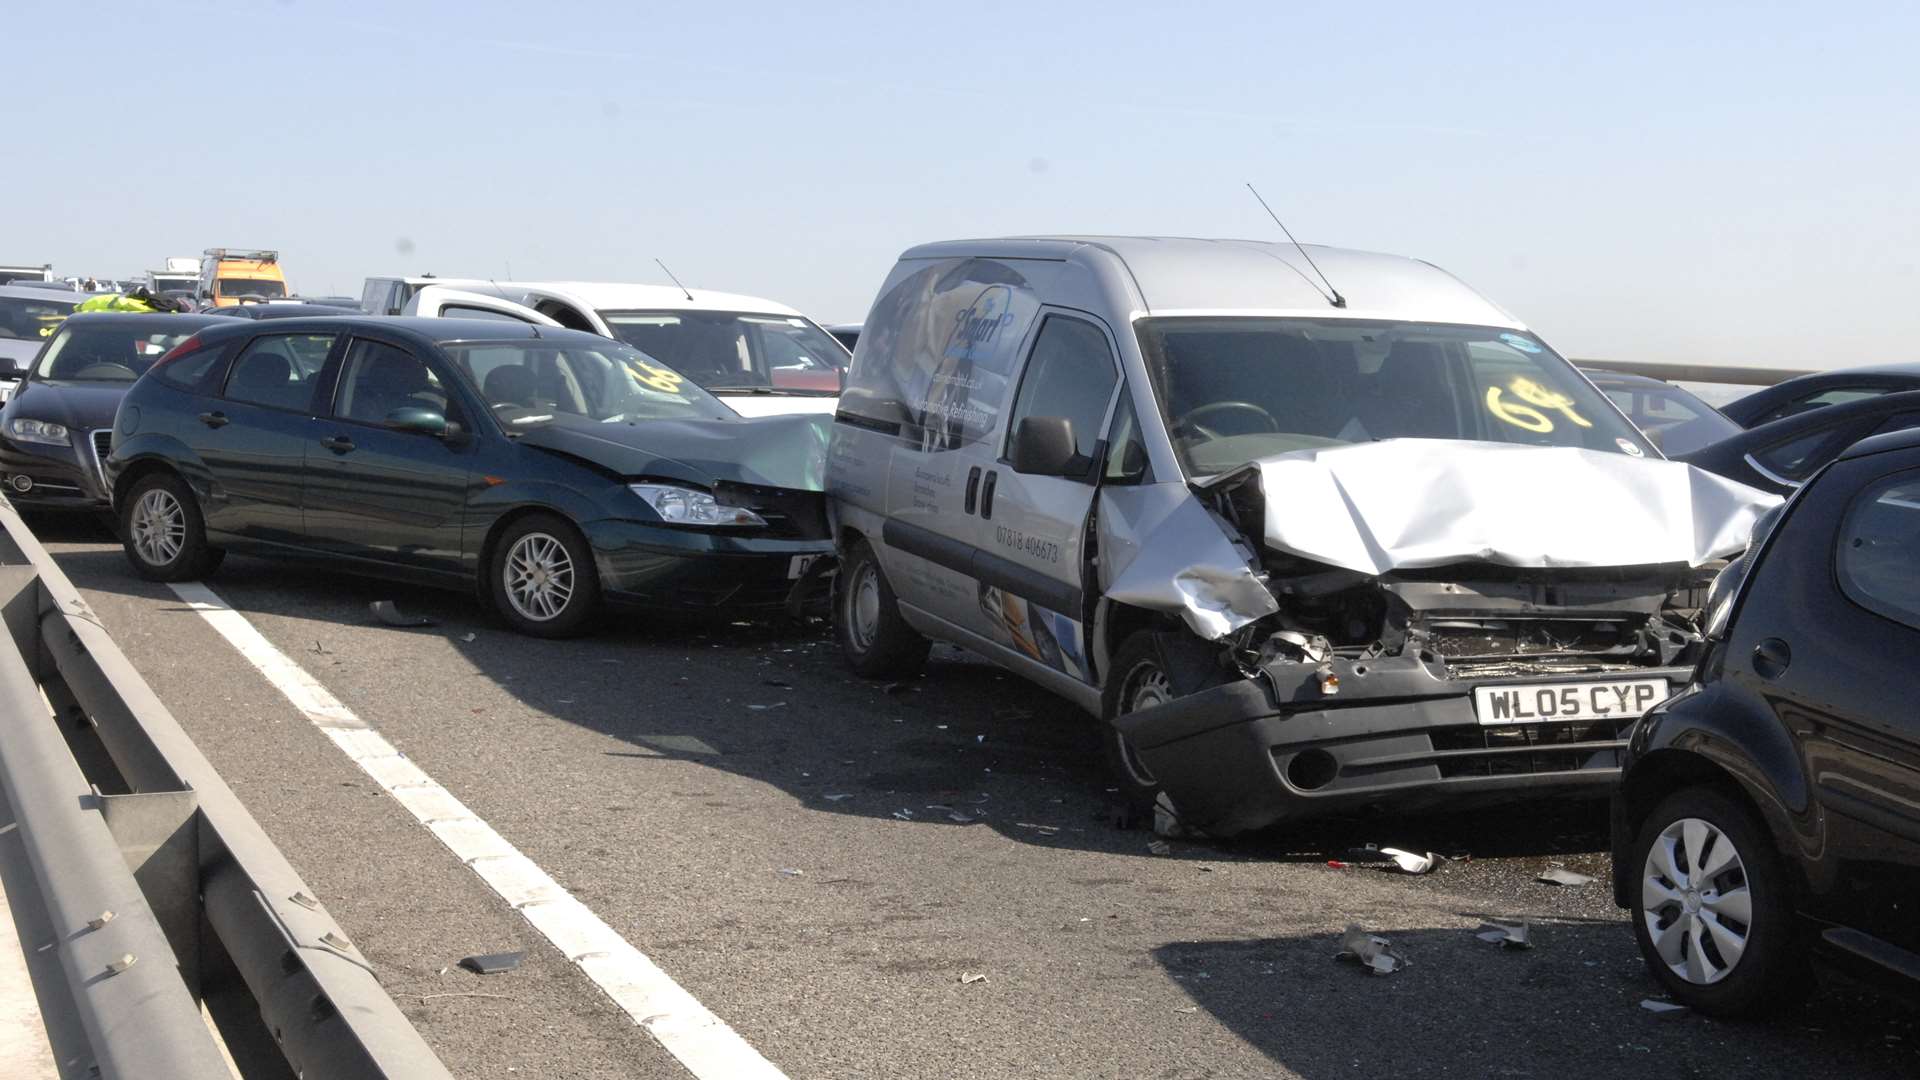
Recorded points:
181,275
12,274
227,274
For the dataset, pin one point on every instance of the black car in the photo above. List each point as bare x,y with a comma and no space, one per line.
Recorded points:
548,470
1821,388
1779,455
55,430
1673,419
303,309
1771,811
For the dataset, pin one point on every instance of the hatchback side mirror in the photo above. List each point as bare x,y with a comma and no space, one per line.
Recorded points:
1043,446
418,421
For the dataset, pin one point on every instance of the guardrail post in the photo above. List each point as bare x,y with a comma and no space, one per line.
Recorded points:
159,836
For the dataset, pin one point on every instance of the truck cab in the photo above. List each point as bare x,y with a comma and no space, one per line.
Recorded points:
228,274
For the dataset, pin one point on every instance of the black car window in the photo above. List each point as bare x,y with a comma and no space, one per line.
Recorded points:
1879,558
1839,395
278,369
1070,374
379,378
1898,422
1795,459
461,311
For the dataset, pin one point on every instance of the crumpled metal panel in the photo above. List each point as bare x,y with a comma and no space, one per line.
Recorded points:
1408,503
1161,550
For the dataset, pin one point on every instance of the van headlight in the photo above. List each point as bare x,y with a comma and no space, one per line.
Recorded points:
690,506
38,431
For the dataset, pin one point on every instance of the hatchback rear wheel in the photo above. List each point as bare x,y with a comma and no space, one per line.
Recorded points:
162,533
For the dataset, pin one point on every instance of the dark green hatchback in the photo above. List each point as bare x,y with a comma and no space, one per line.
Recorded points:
554,472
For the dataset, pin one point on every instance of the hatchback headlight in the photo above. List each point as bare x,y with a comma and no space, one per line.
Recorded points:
690,506
38,431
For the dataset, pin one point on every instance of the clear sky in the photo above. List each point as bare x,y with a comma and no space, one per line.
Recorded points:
1731,183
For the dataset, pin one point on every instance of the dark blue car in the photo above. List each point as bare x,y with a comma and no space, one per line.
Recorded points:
551,471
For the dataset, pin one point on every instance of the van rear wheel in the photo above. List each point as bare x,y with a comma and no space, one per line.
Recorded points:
874,636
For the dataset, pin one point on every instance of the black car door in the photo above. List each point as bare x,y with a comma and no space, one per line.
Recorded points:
253,437
375,491
1830,635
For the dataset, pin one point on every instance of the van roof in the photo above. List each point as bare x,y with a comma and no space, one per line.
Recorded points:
1188,276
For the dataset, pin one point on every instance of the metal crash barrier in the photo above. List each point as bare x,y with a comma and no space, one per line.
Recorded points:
154,910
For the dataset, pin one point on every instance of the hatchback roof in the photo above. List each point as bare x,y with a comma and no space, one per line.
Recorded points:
1905,439
434,331
1191,276
141,320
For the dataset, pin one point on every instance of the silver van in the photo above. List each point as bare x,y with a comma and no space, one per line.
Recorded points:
1307,529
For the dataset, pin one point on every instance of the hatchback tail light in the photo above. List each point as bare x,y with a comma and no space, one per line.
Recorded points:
189,345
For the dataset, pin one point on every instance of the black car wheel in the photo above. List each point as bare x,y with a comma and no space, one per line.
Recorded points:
1710,906
1138,680
543,579
162,532
874,637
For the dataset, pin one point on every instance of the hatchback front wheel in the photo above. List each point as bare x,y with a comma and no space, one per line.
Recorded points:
542,577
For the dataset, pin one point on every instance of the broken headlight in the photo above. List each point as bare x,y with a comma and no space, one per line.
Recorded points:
678,505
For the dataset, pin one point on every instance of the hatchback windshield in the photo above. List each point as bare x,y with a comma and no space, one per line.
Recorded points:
32,319
106,352
251,287
532,383
734,350
1237,389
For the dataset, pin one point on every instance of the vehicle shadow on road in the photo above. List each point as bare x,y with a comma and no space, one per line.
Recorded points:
963,745
1463,1007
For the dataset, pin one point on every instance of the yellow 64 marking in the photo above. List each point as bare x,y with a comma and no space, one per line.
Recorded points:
1530,412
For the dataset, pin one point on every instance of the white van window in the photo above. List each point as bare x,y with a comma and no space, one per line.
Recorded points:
1070,374
1235,390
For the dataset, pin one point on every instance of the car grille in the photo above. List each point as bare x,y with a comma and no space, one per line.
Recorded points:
102,446
1523,749
791,515
1486,638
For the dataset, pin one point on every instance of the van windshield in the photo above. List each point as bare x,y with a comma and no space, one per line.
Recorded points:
251,287
1235,390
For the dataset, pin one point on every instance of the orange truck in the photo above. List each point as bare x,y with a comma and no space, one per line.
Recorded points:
229,276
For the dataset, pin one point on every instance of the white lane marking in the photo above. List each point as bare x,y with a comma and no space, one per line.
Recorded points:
699,1040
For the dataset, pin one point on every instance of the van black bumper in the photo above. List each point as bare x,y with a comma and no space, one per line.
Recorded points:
1401,736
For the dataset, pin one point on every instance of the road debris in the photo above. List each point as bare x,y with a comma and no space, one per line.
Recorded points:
469,637
763,708
790,871
838,796
955,815
1407,861
1510,935
779,684
903,814
1159,847
899,688
968,978
1560,875
386,612
1043,830
492,963
1374,953
1666,1010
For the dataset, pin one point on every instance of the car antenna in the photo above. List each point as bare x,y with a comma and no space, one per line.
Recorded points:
676,281
1333,294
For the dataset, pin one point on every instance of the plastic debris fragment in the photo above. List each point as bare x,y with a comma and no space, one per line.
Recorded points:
1511,935
1560,875
492,963
968,978
1374,953
1664,1009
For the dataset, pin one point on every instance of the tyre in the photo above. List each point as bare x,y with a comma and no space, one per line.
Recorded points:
162,532
542,578
874,637
1138,680
1711,907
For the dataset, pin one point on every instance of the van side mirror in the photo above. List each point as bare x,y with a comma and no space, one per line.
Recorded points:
1043,446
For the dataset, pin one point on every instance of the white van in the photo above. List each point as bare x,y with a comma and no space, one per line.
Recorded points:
1302,543
760,357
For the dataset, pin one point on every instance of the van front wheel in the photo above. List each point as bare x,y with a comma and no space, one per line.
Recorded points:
874,637
1138,681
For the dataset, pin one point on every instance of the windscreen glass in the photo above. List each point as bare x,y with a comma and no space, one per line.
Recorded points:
733,350
1235,390
1675,420
530,383
33,319
106,352
250,287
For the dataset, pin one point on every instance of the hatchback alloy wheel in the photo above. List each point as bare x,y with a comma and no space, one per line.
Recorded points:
538,576
1695,901
159,527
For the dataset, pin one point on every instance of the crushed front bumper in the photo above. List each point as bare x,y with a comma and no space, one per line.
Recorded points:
1400,734
647,566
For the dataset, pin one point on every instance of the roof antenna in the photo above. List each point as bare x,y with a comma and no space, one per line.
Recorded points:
1333,294
676,281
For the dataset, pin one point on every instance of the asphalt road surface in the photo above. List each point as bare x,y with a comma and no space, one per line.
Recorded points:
820,860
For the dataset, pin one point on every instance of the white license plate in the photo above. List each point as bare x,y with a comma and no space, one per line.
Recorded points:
1567,701
798,565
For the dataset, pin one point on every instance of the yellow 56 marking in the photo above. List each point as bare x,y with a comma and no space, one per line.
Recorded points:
1536,398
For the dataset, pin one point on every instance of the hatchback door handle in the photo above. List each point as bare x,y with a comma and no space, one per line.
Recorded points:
339,444
1771,657
214,419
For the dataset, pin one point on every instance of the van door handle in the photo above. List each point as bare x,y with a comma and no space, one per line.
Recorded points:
973,487
986,496
214,419
339,444
1771,657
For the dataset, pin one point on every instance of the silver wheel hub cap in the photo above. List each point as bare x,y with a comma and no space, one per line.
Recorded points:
1695,902
159,527
538,577
1146,687
863,615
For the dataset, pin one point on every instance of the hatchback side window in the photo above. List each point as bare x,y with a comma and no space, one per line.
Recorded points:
1839,395
379,378
277,370
1071,374
1879,558
1793,460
